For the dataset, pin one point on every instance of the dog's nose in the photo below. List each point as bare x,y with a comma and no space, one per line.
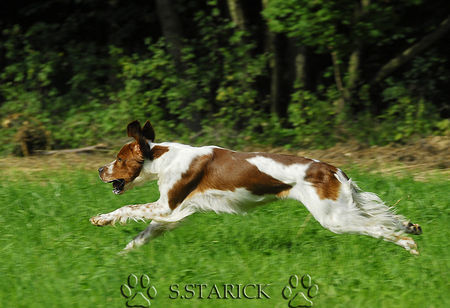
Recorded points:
100,169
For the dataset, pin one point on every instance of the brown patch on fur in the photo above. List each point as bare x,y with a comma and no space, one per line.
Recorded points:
128,164
158,151
224,170
188,182
322,176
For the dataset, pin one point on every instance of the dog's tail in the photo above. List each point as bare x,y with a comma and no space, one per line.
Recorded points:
375,212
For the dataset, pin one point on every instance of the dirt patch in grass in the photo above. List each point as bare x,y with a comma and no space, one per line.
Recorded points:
424,159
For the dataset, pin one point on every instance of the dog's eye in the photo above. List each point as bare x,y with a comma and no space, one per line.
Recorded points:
119,159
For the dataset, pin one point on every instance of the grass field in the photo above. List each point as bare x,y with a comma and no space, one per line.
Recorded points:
51,256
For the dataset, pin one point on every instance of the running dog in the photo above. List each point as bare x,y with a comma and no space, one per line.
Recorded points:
210,178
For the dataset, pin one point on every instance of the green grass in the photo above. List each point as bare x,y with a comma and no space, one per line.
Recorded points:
51,256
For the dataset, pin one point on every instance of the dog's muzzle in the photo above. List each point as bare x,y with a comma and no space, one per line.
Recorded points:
118,186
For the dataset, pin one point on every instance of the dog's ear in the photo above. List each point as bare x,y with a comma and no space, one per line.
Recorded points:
134,130
148,132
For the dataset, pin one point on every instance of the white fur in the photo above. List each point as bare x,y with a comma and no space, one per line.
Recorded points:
291,174
109,168
238,201
171,166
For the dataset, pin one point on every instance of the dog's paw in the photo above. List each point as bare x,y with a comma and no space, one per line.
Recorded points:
412,228
101,220
138,292
300,293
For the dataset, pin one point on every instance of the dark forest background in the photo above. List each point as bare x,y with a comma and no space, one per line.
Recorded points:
293,73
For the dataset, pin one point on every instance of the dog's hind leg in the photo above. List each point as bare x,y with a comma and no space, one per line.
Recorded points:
359,212
378,232
135,212
153,230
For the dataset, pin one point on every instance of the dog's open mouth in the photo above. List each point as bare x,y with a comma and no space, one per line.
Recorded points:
118,186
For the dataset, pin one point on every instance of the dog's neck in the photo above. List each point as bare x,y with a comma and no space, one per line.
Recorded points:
171,161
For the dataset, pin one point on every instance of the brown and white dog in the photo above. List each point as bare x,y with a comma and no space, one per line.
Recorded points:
211,178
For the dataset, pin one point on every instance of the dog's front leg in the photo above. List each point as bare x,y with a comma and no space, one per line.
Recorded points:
155,229
135,212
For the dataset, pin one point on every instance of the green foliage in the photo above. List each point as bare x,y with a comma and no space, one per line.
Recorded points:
221,97
314,23
338,25
342,28
59,87
84,86
405,116
25,81
314,119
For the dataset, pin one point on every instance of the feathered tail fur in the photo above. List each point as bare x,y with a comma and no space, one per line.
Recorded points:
375,211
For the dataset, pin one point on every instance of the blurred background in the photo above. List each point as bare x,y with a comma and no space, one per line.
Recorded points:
289,73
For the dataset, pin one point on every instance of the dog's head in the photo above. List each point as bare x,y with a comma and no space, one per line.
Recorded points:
130,159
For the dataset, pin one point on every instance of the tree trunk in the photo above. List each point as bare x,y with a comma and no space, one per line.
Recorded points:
361,9
284,65
303,67
171,29
353,70
412,51
340,103
237,13
283,72
347,88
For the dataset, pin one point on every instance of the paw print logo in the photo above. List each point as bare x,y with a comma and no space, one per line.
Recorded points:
300,292
138,292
